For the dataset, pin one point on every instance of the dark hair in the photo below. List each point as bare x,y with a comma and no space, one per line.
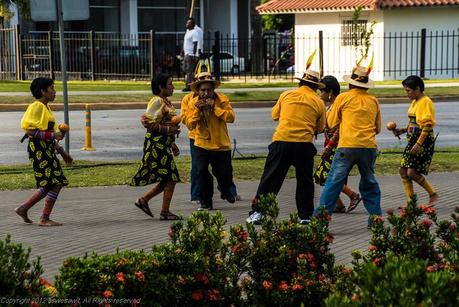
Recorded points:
313,86
159,81
331,85
413,82
192,20
39,84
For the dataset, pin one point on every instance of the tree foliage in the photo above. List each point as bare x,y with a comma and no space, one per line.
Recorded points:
278,22
22,5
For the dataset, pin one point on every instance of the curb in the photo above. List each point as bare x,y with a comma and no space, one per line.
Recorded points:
237,104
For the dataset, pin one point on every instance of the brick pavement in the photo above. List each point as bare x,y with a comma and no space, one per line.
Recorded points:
103,219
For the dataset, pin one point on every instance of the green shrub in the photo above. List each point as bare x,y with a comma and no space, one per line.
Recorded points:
288,264
19,279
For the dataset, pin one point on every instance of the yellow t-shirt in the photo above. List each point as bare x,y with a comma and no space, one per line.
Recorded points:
423,111
358,116
215,135
185,111
301,114
37,116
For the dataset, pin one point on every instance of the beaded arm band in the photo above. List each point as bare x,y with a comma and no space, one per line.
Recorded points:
43,135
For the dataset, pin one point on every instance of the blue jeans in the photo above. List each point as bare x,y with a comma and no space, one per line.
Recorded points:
195,192
343,161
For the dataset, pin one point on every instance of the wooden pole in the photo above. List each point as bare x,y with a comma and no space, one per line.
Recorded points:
191,9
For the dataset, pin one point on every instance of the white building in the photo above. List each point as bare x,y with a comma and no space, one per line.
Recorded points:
396,42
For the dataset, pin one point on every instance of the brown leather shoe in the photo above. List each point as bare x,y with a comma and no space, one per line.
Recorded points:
23,213
49,222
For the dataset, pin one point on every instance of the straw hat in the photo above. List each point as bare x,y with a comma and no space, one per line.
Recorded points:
202,74
313,77
360,77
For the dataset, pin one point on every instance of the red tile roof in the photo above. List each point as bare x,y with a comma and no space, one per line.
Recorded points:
299,6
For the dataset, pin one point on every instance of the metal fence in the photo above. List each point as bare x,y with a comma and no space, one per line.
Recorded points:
102,55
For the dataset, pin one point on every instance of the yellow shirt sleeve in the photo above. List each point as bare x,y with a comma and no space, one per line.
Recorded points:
223,109
185,112
425,112
37,116
154,113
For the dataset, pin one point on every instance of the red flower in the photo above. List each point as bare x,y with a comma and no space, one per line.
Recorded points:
372,248
267,285
431,269
402,212
309,282
197,295
120,277
235,248
297,287
214,295
301,256
283,286
313,265
310,257
426,223
139,275
452,226
322,249
329,238
377,261
428,210
202,278
107,294
243,235
378,219
390,211
321,277
34,304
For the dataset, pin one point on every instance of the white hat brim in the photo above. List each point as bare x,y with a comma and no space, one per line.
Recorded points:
320,84
370,84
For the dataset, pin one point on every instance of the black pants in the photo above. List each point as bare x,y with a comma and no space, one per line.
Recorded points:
281,156
221,169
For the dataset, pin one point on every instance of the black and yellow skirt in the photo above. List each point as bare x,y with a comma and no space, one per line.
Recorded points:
321,173
46,165
420,161
157,162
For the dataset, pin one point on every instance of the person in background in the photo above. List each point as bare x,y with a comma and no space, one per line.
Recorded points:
42,130
190,52
158,165
357,115
419,151
328,95
301,115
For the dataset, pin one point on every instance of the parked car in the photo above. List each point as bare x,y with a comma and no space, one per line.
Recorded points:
229,64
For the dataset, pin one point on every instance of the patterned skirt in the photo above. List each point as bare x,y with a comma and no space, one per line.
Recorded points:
157,161
46,165
321,173
420,161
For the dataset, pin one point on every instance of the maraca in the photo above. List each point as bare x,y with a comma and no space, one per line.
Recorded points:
175,120
391,126
63,128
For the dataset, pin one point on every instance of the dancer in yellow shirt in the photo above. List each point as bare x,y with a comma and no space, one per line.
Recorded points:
419,151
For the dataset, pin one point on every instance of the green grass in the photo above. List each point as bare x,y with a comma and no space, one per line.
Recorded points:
87,173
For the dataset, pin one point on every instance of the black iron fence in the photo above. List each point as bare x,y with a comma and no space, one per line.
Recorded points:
103,55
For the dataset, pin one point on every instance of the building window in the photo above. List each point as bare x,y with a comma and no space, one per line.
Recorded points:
167,16
351,32
104,16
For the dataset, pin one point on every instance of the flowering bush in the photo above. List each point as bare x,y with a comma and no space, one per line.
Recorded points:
407,262
19,279
288,264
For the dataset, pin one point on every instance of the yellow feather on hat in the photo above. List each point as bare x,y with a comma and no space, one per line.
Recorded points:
311,57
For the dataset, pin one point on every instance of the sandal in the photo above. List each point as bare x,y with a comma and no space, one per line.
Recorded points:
339,209
169,216
142,205
355,200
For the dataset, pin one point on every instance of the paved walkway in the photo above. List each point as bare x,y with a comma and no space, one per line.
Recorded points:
103,219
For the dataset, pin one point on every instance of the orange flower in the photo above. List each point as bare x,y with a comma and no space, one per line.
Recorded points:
214,295
283,286
301,256
267,285
309,282
202,278
431,269
34,304
378,219
428,210
120,277
355,297
44,282
197,295
329,238
139,275
107,294
297,287
180,280
372,248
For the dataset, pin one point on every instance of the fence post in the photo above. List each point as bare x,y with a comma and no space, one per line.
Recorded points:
422,68
92,56
216,53
152,54
321,53
51,53
19,68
